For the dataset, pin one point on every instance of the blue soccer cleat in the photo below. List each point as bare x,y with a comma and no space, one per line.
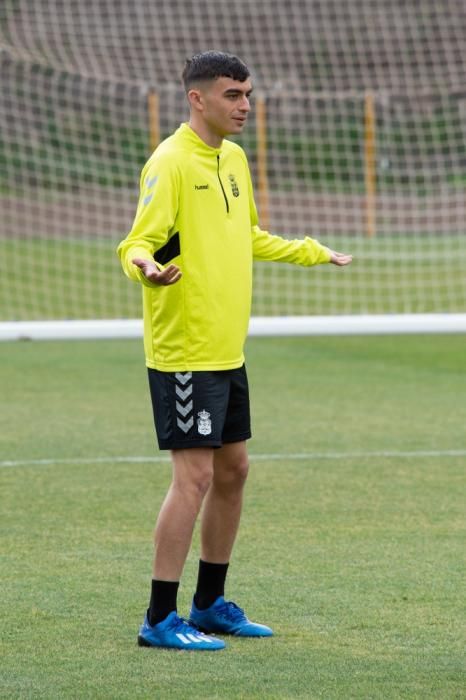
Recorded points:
226,617
176,633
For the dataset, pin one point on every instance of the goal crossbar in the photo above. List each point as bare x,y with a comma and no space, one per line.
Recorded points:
363,324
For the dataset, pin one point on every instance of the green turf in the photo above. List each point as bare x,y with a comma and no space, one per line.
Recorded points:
357,561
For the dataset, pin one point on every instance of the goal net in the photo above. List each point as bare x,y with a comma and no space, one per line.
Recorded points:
357,138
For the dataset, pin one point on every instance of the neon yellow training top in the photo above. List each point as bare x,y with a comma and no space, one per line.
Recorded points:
196,210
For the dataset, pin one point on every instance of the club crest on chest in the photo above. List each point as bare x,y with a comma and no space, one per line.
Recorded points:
234,185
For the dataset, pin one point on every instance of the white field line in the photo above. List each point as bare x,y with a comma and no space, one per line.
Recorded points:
272,457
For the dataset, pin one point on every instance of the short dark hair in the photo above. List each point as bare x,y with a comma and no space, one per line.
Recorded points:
210,65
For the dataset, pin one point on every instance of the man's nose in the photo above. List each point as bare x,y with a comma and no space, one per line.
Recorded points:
245,105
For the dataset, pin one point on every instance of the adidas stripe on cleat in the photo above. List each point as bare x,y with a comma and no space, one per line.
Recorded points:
176,633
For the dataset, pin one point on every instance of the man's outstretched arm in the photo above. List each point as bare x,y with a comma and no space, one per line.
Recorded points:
301,251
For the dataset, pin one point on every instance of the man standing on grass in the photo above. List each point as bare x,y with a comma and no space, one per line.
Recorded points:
192,244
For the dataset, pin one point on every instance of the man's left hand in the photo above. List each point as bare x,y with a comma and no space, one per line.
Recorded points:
340,259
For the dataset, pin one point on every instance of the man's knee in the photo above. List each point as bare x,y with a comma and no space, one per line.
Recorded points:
193,473
232,473
241,470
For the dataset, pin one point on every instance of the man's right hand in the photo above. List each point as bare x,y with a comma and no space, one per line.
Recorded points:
169,275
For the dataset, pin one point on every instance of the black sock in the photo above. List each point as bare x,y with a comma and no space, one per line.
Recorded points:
162,600
210,584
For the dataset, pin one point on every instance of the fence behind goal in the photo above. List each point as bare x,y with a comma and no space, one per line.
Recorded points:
357,138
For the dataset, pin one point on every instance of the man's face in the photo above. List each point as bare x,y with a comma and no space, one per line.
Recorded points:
225,105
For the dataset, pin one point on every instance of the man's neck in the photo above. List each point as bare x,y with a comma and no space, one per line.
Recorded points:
205,134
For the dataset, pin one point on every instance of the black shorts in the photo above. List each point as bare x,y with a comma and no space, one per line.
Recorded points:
200,409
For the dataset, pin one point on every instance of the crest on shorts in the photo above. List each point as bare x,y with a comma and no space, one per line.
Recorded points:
234,185
204,424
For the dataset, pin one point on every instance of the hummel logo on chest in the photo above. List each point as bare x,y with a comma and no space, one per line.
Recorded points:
201,187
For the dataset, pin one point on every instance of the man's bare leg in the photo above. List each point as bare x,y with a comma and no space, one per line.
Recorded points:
220,521
192,475
223,503
193,471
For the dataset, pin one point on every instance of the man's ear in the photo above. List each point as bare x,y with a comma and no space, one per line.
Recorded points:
195,99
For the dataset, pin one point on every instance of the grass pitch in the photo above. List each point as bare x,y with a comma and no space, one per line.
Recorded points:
351,544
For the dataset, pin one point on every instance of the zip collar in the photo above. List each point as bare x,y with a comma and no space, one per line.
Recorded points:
189,136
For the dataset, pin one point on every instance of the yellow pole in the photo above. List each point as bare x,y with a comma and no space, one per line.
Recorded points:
262,179
153,108
370,173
